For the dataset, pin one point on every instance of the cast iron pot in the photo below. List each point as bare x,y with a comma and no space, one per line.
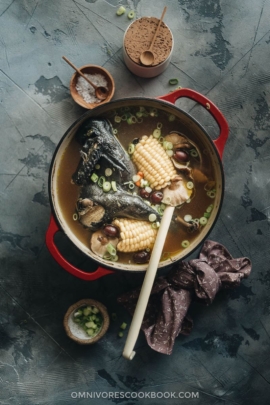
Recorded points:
191,126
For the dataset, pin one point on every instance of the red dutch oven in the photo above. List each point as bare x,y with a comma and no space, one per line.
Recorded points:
190,127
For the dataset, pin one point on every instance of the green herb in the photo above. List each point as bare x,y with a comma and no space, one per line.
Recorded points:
106,186
131,15
94,177
121,10
123,326
185,244
173,82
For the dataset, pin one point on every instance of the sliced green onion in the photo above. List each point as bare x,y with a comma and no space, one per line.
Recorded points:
106,186
117,119
139,120
211,194
161,140
148,189
111,249
142,109
130,120
169,146
152,217
123,326
207,214
107,256
131,148
97,167
124,117
108,172
209,209
190,185
115,131
171,117
131,185
156,133
185,244
193,153
87,311
101,181
139,114
159,125
114,258
75,217
187,218
94,177
162,206
173,82
131,15
120,334
169,153
114,187
203,221
121,10
160,210
154,225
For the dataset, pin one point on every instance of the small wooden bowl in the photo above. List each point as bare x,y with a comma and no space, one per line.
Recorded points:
91,69
75,332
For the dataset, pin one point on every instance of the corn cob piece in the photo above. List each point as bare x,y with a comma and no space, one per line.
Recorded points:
150,158
135,235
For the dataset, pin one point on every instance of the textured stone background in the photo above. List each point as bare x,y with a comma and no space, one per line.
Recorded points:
221,50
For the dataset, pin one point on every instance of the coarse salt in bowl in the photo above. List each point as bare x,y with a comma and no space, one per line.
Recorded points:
138,38
83,93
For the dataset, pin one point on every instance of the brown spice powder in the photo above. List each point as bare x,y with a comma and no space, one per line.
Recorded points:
139,36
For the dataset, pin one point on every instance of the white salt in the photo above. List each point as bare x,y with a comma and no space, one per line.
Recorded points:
86,91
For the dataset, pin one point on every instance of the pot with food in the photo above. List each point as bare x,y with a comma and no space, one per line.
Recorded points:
117,168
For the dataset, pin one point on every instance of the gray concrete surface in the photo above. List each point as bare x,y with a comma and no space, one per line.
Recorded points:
221,50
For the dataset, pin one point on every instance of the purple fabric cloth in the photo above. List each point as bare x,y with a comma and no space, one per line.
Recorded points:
166,314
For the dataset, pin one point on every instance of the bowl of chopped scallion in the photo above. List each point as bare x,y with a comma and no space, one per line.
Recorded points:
86,321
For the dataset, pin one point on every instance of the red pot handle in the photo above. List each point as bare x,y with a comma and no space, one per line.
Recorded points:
209,106
51,231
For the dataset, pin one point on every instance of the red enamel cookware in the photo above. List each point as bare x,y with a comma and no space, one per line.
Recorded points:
189,126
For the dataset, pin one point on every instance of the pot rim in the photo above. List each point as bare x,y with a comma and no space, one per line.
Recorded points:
110,105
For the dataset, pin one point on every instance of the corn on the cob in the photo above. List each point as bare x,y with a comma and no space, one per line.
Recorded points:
151,159
135,235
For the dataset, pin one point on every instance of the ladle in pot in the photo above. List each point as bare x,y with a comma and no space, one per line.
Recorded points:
100,91
149,278
147,57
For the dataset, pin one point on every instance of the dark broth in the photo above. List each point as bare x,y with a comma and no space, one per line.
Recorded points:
68,193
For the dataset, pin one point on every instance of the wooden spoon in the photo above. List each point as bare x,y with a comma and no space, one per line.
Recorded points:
100,91
147,57
149,278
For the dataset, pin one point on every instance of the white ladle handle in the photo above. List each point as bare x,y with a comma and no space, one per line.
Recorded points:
136,323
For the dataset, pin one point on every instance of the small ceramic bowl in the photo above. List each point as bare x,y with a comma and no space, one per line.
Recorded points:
75,331
91,70
142,44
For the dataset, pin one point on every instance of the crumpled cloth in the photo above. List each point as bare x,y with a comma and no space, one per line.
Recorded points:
200,279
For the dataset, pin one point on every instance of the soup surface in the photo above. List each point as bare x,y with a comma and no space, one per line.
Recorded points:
134,123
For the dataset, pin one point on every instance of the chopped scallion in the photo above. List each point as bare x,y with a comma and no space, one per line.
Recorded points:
106,186
114,187
152,217
108,172
185,244
111,249
203,220
94,177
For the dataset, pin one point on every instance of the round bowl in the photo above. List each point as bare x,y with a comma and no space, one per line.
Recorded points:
75,331
142,43
92,70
